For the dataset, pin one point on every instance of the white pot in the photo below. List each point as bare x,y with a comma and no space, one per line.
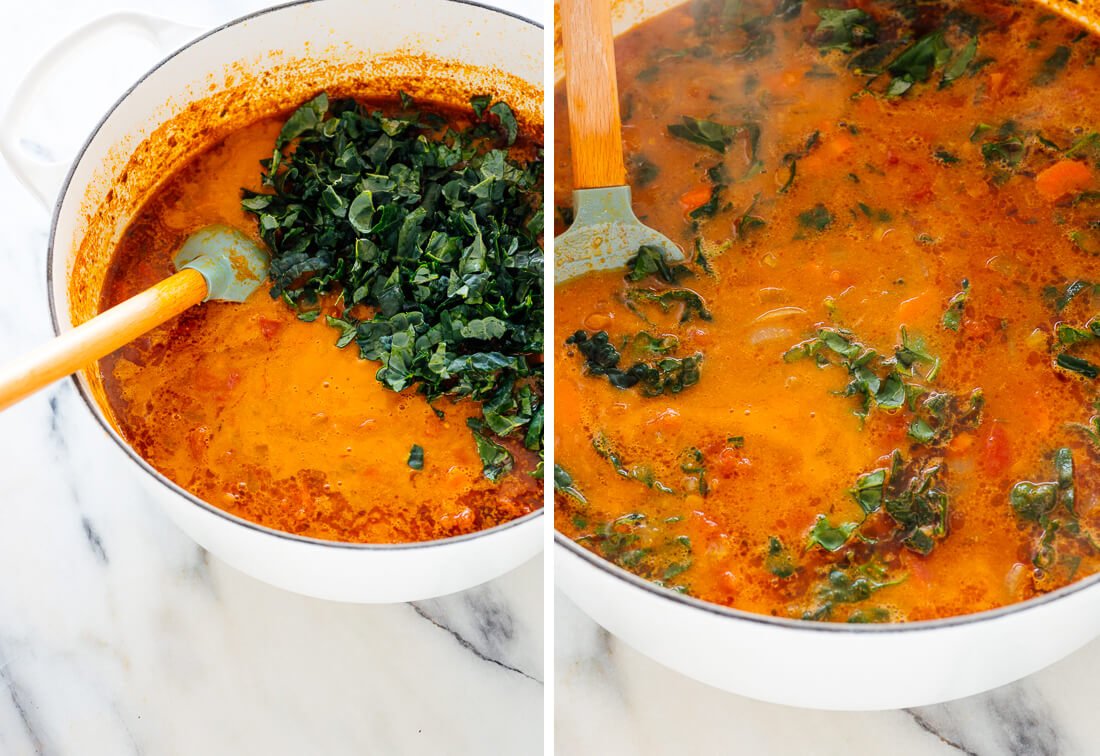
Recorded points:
816,664
353,45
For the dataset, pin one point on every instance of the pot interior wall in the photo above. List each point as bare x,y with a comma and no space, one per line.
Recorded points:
263,66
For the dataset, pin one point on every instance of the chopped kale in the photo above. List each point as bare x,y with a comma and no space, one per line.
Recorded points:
693,463
945,157
1049,508
959,64
843,30
651,261
778,560
642,170
830,537
917,62
665,375
716,136
791,160
848,585
1059,300
496,461
1077,365
719,137
563,482
915,500
653,553
1052,66
748,220
416,457
691,302
436,230
1008,151
952,317
817,218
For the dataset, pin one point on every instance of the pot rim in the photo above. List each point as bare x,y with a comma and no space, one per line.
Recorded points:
802,625
97,412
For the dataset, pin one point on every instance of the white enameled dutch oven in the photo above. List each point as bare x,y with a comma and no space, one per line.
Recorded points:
784,661
253,67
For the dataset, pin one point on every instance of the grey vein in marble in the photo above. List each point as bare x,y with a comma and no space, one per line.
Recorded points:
1012,720
612,700
488,623
469,646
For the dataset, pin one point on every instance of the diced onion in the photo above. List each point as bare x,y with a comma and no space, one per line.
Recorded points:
760,335
779,312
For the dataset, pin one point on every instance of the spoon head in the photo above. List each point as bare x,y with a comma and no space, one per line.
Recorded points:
233,265
605,234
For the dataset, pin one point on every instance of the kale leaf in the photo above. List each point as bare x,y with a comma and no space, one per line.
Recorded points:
1068,336
830,537
818,218
665,375
650,260
843,30
416,457
563,482
952,317
1052,66
917,62
778,560
719,136
1049,509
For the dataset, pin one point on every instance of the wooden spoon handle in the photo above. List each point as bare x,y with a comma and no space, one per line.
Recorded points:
100,336
595,131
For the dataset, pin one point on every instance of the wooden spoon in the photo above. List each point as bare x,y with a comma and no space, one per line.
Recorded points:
216,262
605,233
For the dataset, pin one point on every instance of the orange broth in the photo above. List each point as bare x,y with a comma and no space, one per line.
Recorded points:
258,413
716,490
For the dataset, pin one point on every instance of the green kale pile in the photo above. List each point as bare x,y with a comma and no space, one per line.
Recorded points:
436,230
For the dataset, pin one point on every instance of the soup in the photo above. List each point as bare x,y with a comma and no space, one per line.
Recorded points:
253,408
870,393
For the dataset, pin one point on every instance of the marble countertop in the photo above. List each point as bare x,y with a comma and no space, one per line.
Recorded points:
612,700
118,634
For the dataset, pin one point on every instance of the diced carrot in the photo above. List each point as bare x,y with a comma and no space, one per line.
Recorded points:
1062,178
960,443
695,198
997,80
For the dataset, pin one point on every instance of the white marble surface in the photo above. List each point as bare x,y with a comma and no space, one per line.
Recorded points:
119,635
611,700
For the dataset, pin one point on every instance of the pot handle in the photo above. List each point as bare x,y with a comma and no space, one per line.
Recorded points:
43,178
